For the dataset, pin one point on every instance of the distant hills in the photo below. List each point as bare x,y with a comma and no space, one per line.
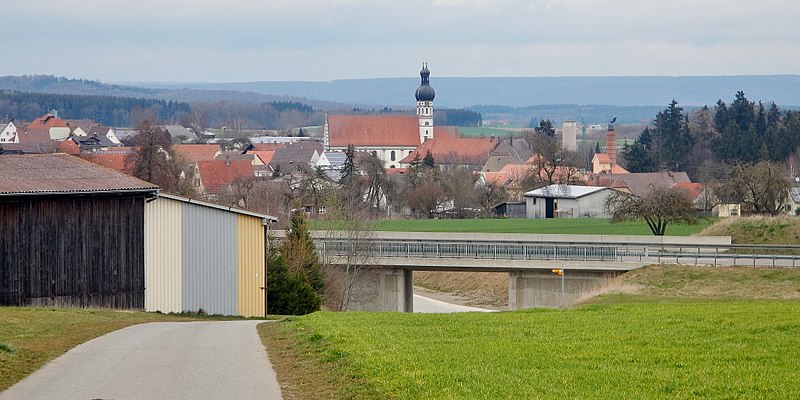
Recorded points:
516,100
784,90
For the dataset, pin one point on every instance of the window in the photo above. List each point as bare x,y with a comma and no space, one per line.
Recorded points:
392,155
321,210
427,123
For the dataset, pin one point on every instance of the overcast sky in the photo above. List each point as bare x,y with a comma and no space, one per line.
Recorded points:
319,40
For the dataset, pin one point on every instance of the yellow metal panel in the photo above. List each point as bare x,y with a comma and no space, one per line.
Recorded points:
162,255
250,249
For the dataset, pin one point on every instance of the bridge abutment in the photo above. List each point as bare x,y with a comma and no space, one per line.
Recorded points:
383,289
543,288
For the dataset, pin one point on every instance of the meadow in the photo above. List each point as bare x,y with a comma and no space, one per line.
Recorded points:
691,349
571,226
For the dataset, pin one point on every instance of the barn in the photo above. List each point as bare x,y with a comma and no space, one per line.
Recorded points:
567,201
71,233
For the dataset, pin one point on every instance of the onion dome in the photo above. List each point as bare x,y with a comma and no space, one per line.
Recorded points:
425,92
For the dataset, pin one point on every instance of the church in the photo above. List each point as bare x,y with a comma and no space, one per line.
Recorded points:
393,138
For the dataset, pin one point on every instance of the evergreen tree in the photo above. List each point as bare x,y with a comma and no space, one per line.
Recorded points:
349,167
638,158
301,255
289,293
428,161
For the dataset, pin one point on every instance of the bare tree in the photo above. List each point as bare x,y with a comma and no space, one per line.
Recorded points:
349,228
659,207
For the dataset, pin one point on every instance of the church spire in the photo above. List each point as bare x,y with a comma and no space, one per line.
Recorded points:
425,95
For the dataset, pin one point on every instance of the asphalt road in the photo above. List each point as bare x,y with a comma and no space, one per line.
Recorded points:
424,304
166,360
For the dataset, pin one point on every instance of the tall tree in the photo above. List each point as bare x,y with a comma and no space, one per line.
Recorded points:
301,255
152,155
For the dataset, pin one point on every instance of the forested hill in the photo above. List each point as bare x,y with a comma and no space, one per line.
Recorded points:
61,85
517,92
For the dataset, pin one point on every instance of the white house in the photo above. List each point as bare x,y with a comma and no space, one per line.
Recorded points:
9,134
567,201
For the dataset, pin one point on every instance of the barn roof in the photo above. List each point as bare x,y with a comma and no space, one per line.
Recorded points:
63,174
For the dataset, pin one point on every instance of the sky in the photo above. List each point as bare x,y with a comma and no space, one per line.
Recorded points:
322,40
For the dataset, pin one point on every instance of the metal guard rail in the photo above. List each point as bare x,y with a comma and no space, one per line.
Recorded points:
786,256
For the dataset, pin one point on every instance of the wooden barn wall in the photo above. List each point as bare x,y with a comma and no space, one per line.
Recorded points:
72,251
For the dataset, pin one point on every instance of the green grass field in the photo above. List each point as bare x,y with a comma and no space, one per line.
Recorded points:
477,131
572,226
693,349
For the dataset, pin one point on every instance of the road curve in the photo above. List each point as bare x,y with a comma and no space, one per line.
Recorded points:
424,304
164,360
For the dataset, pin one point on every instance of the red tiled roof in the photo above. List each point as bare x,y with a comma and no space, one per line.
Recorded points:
447,147
395,171
509,174
61,173
69,147
217,175
193,153
115,161
264,155
373,130
692,189
603,158
48,121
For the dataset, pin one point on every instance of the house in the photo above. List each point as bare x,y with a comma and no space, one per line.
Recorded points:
56,128
81,127
511,209
180,133
606,163
192,153
202,256
114,158
638,183
72,233
93,142
567,201
507,151
793,201
295,156
104,131
237,155
216,177
9,133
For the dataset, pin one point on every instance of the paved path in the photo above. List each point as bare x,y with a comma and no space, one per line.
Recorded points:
165,360
424,304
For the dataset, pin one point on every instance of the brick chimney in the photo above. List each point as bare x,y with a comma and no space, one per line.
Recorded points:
611,144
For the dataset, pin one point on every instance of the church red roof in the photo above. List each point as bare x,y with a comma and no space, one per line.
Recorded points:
447,147
373,130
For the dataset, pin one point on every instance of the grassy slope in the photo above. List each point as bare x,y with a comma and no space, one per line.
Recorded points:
758,230
30,337
648,350
688,332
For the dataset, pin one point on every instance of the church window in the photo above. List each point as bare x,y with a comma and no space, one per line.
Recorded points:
392,156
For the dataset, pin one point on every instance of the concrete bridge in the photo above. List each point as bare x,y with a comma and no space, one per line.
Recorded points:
385,261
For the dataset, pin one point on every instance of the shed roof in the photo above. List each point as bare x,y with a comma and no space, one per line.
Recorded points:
219,207
63,174
565,191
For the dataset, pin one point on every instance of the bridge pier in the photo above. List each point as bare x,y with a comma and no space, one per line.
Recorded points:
383,289
542,288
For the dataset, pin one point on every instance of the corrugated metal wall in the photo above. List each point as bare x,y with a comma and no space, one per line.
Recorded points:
250,249
162,251
209,257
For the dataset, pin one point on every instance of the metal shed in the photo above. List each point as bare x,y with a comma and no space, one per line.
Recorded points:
205,256
567,201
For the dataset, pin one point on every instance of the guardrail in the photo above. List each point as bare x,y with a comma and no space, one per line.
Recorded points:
730,254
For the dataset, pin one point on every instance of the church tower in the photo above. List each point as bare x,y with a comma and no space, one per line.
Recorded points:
425,95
